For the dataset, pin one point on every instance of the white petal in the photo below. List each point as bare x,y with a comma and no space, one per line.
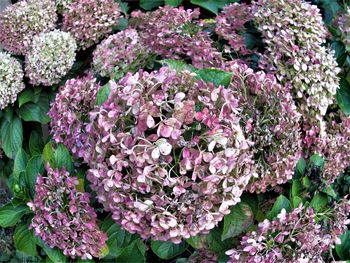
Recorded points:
155,153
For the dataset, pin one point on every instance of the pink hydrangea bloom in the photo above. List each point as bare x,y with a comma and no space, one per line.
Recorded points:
302,235
20,22
168,154
120,53
203,255
63,217
89,21
271,123
175,33
230,25
332,143
69,114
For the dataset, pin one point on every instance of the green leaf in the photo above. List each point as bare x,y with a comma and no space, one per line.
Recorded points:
36,143
29,95
317,160
102,94
10,214
48,155
168,250
63,159
319,201
343,249
20,162
25,240
150,4
177,65
135,252
212,5
118,238
196,241
297,187
343,96
11,136
54,254
281,203
235,223
33,112
215,76
296,201
173,2
301,166
35,166
122,24
215,243
330,191
124,7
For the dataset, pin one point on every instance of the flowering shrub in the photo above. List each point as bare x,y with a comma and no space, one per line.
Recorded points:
120,53
69,114
20,22
299,236
167,148
63,217
295,52
42,65
205,132
90,20
11,79
175,33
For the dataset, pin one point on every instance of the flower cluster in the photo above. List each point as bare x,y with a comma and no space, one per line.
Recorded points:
63,217
20,22
11,79
271,124
333,145
50,57
69,114
295,34
120,53
168,151
91,20
175,33
302,235
343,23
230,25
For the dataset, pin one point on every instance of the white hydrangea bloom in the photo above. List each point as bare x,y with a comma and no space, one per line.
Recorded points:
11,79
50,58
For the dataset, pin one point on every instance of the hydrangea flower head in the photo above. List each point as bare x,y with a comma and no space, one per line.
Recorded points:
69,114
50,57
271,123
63,217
120,53
295,36
175,33
91,20
11,79
303,235
20,22
230,25
168,150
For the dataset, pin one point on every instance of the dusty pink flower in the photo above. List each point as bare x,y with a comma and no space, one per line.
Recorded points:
69,114
89,21
163,171
230,25
63,217
302,235
120,53
271,123
175,33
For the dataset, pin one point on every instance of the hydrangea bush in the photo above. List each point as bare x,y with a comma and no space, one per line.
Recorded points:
174,131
